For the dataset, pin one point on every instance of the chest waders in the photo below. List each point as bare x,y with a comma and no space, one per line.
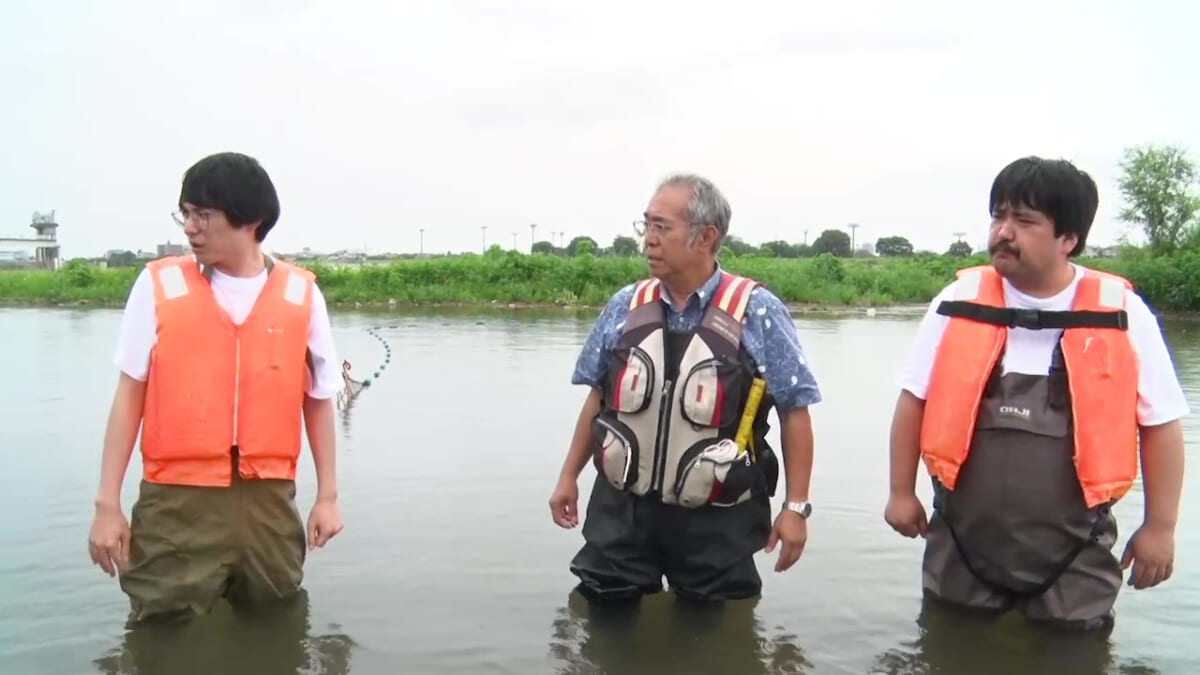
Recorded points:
1017,521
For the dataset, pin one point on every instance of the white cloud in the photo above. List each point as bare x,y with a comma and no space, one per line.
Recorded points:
377,118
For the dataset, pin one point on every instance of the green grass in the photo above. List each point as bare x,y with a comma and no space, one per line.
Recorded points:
499,277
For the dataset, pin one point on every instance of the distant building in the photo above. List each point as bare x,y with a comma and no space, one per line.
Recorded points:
169,249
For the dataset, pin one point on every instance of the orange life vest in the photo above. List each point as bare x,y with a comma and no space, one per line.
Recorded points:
1102,375
213,385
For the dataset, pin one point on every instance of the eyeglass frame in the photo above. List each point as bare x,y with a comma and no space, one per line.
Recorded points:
642,227
202,217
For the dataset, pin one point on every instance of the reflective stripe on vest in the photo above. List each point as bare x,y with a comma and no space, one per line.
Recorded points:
213,385
649,423
1102,374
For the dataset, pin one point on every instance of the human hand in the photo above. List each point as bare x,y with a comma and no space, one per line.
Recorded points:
108,541
792,530
564,503
324,522
1151,551
906,515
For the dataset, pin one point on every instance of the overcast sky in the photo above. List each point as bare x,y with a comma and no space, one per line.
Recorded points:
378,118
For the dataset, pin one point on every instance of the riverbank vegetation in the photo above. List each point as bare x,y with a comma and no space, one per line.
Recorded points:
1168,282
1156,184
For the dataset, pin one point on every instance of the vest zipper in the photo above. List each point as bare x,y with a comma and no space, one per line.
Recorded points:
237,376
660,442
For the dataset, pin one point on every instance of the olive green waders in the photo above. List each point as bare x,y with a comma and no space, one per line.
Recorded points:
191,546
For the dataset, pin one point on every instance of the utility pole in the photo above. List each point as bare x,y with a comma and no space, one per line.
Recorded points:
532,235
853,227
806,237
960,235
483,228
421,250
514,240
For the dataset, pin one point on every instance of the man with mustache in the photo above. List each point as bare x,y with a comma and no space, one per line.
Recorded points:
684,474
1030,386
224,355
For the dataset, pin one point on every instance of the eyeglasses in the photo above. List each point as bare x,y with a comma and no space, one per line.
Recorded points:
643,228
201,218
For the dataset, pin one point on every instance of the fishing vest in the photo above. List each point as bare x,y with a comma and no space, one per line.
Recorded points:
214,386
673,402
1101,372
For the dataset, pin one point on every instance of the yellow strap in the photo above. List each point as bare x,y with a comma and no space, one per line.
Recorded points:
747,422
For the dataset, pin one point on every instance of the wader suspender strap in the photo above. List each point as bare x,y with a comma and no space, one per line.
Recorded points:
1093,537
1033,319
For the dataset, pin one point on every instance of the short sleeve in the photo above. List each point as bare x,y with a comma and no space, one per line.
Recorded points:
1160,396
138,331
918,363
593,360
327,374
771,339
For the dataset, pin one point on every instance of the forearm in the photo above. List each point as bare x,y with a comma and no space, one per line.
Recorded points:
580,451
796,435
1162,472
906,443
124,420
319,423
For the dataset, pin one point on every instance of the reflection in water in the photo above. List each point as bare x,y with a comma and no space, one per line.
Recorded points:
271,639
953,641
662,635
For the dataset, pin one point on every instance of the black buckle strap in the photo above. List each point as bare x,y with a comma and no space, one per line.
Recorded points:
1033,319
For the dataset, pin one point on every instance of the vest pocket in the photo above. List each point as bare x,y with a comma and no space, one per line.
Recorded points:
713,473
709,393
632,386
615,453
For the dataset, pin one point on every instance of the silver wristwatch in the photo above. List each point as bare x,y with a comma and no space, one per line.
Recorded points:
802,508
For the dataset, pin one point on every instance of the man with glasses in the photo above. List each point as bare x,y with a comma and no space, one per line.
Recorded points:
225,354
675,420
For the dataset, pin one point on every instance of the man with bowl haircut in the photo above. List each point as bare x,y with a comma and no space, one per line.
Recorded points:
1029,389
225,354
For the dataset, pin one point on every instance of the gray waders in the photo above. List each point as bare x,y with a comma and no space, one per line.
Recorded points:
1016,530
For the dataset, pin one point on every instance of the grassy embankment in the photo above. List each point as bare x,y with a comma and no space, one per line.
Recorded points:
1168,283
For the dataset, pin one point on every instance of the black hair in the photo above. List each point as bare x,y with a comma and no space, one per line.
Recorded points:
1067,195
237,185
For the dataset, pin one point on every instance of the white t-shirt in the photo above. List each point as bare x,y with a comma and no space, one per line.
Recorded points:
1160,396
236,295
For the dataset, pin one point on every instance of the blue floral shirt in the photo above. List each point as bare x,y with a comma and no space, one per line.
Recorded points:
769,337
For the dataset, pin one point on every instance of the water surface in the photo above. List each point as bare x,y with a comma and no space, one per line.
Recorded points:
449,562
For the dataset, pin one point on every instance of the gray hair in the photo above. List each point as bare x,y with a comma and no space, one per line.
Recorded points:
707,206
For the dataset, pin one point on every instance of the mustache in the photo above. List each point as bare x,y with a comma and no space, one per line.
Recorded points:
1003,246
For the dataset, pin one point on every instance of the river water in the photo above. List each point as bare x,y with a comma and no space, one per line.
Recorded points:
450,563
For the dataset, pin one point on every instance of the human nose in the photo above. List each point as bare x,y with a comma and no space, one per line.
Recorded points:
1002,228
192,224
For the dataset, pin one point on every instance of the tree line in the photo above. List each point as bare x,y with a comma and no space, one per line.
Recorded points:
1157,184
834,242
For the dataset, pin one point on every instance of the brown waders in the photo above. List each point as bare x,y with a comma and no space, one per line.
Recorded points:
1016,531
192,545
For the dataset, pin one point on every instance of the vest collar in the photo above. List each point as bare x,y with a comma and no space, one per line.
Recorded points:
206,270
